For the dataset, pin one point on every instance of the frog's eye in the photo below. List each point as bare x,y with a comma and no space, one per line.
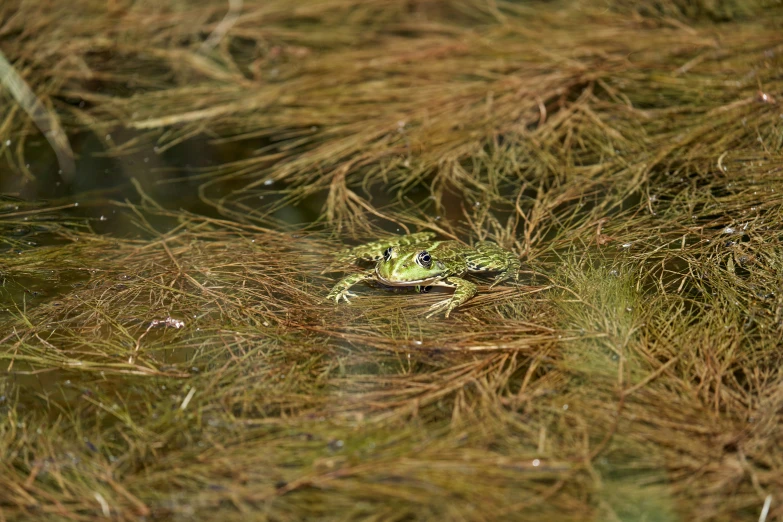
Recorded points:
424,259
387,254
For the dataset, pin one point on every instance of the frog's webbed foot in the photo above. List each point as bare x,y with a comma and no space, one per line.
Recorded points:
464,290
341,289
511,271
489,257
342,294
374,251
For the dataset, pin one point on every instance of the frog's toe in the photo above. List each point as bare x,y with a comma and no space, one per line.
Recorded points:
439,307
336,295
499,279
504,277
345,295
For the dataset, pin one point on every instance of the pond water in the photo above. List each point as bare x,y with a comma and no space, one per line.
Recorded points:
168,351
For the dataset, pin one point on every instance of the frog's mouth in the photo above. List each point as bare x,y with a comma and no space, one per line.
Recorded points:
410,282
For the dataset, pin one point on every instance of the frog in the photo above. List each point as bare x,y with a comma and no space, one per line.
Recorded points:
420,261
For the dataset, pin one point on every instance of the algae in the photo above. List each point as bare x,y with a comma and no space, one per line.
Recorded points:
166,348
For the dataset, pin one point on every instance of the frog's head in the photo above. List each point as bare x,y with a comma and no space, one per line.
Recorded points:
403,266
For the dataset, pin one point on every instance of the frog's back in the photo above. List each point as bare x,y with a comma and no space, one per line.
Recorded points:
445,249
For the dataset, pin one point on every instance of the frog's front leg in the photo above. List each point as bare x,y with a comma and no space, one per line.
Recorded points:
489,257
340,290
463,290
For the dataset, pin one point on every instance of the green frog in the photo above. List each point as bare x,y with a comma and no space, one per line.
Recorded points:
417,260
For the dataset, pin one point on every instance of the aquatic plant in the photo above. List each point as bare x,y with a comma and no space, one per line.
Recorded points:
181,363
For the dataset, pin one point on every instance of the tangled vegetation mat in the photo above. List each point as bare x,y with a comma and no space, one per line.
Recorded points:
166,347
